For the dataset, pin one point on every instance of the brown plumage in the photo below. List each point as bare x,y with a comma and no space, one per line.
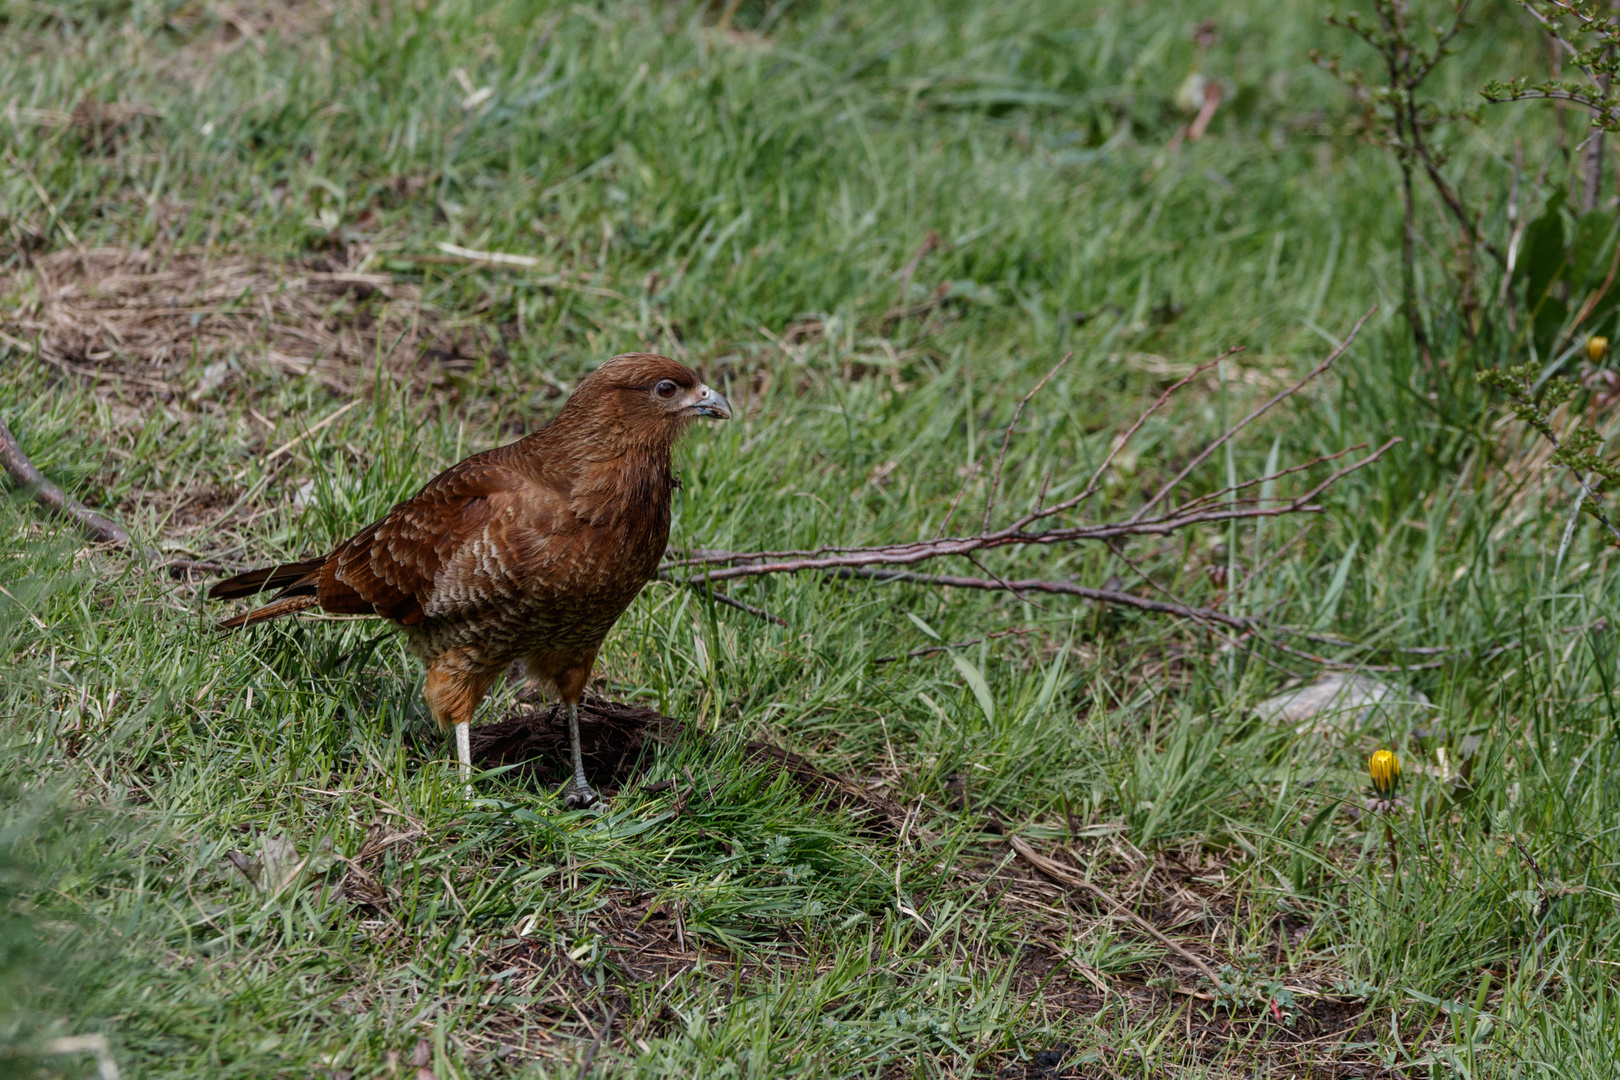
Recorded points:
530,551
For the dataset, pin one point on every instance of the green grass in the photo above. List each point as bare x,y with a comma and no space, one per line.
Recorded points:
747,199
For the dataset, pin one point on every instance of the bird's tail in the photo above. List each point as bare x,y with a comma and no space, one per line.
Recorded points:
296,580
269,577
275,609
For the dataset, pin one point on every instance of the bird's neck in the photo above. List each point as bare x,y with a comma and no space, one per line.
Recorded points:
635,482
613,478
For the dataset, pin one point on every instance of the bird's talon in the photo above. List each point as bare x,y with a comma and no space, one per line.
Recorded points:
577,796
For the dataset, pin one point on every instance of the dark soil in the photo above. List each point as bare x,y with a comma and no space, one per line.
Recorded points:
614,739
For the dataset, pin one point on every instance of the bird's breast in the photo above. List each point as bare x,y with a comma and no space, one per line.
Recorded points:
510,592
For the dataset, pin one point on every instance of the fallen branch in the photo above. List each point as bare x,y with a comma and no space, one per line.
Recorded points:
102,530
1156,517
1250,627
730,565
95,527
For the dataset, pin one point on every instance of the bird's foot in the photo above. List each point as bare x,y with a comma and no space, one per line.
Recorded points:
577,794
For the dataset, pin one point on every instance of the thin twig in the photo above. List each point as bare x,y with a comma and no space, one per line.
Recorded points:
972,471
1006,440
1119,444
1222,494
1003,582
930,650
1064,588
1557,35
1254,414
1065,876
707,589
102,530
1249,628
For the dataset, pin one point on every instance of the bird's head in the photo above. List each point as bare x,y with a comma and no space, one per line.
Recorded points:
643,396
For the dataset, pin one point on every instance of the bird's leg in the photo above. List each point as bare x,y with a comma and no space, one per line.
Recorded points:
577,793
453,695
464,752
565,672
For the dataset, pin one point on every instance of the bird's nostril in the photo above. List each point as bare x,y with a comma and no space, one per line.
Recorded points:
713,403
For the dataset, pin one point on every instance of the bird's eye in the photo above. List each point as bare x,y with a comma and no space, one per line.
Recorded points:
666,389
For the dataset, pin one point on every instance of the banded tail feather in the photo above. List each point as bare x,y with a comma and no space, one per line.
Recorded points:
275,609
295,580
284,576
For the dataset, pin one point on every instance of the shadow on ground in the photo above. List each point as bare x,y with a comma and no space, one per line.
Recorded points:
617,740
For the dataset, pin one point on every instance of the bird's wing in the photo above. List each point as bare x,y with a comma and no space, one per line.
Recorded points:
459,544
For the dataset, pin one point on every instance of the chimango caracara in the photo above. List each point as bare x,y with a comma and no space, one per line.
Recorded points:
529,552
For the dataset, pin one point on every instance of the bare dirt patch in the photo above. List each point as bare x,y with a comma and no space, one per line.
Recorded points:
643,948
1282,997
612,737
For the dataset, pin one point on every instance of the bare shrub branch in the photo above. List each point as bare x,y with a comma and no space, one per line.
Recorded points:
1160,515
1199,510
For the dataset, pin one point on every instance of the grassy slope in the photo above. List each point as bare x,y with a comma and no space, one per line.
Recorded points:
778,176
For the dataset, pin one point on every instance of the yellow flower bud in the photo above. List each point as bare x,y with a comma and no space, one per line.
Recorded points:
1385,768
1597,347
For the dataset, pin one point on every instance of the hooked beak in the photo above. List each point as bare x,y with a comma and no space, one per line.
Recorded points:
712,403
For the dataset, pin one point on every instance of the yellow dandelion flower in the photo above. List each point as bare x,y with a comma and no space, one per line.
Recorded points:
1597,347
1385,768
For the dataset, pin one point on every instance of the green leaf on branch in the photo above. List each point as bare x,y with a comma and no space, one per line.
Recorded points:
1546,250
1591,249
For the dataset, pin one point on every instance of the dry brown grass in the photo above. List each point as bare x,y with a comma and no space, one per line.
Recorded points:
171,324
209,32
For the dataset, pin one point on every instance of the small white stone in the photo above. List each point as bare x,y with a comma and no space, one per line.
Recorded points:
1339,701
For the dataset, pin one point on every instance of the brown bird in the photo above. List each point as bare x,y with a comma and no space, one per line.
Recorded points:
530,551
